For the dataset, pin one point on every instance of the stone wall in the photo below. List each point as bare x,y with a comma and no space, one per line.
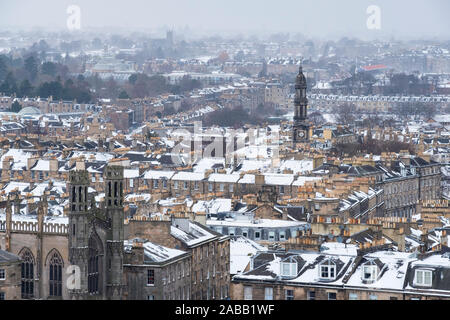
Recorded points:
11,286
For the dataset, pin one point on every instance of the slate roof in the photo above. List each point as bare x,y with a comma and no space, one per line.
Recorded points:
417,161
6,257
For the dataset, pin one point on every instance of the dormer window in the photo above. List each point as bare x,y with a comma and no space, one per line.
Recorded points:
289,268
327,270
369,272
423,278
271,236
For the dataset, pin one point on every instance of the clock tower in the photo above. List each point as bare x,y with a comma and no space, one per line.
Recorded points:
301,126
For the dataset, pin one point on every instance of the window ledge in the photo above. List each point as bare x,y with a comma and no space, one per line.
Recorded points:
420,286
327,279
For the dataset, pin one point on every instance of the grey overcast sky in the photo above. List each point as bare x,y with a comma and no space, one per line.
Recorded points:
315,18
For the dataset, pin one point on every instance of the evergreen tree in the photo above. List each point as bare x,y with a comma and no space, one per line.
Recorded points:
16,107
9,86
124,95
3,68
47,89
26,89
31,66
49,68
263,72
132,79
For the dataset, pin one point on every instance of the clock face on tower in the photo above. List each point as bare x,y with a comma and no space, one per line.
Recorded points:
301,134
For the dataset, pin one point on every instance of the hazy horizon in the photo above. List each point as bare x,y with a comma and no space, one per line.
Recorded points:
401,19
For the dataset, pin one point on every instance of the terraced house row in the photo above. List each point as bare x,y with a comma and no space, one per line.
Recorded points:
345,273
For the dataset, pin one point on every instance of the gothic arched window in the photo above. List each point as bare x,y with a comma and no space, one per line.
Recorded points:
27,274
109,192
94,267
121,194
55,275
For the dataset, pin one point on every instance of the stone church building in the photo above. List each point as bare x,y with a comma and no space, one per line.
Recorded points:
90,238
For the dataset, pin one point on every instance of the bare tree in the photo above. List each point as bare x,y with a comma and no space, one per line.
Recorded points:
345,113
317,118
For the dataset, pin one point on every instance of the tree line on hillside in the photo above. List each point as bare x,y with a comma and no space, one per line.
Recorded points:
371,146
238,116
140,85
30,76
348,113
